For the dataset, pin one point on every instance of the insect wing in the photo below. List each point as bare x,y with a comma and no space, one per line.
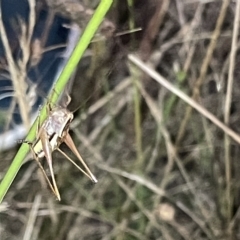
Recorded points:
47,149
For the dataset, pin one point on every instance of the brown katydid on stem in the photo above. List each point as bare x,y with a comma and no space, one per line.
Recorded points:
54,131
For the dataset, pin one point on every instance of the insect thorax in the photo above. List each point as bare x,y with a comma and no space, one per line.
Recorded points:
56,127
58,121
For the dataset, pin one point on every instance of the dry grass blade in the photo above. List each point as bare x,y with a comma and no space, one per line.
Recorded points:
204,67
142,181
228,102
129,112
172,156
18,69
161,80
32,218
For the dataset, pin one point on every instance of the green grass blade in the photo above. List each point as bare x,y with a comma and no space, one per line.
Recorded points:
59,87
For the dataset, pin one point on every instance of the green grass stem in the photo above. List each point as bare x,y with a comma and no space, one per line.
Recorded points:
82,45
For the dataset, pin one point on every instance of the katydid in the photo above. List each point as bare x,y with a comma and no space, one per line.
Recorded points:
50,135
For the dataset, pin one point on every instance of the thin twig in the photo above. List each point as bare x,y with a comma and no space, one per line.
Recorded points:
228,102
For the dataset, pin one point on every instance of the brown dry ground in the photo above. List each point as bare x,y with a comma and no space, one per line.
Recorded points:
164,171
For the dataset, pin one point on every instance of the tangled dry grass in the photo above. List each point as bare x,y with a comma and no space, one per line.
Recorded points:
165,171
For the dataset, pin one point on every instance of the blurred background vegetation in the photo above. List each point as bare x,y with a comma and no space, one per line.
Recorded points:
174,176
